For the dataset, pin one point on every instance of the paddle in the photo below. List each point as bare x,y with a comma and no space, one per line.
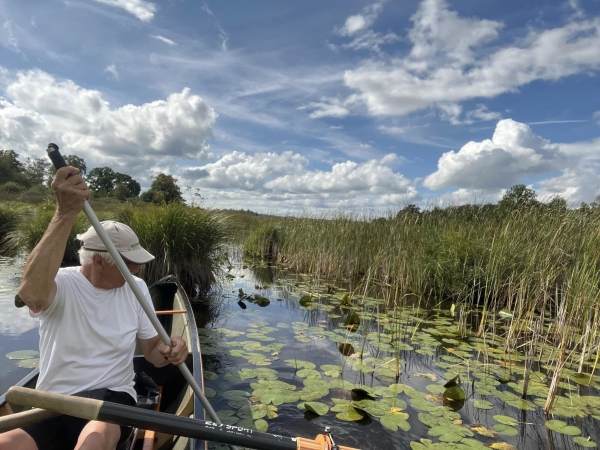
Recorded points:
59,162
22,419
91,409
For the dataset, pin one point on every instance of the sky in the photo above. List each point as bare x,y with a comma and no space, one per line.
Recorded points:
312,106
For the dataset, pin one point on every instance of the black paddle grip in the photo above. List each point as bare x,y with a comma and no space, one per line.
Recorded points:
57,159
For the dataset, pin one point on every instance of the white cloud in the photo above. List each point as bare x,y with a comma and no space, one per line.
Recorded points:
164,39
574,185
362,21
38,109
284,181
206,9
8,39
327,107
33,24
482,114
224,37
452,113
358,27
597,117
448,64
513,152
141,9
112,69
373,177
248,172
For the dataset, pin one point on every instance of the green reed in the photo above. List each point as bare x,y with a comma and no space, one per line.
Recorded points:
9,221
188,243
537,262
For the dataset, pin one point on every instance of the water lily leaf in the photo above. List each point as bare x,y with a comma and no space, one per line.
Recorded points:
236,395
261,425
483,431
455,393
584,442
28,363
359,394
315,407
502,446
23,354
482,404
435,388
259,411
582,379
309,373
305,300
429,376
276,398
505,429
562,427
452,382
352,321
394,422
506,420
297,364
209,392
208,375
350,414
331,371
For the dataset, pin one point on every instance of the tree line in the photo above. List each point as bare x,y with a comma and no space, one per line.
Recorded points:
36,174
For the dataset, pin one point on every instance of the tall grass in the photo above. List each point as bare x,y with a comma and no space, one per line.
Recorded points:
33,225
9,220
537,262
187,242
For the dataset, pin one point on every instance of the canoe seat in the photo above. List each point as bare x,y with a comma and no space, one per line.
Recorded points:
147,391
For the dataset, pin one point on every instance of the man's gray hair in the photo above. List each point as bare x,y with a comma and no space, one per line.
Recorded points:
86,257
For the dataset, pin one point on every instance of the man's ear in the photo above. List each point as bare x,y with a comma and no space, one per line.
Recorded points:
98,262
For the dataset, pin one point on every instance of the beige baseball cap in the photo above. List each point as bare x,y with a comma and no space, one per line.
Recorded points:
124,239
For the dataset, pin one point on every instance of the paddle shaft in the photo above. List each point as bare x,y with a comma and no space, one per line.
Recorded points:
59,162
22,419
91,409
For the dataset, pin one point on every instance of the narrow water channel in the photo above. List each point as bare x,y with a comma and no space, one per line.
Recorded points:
285,353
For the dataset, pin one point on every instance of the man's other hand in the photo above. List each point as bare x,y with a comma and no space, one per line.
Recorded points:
176,354
70,189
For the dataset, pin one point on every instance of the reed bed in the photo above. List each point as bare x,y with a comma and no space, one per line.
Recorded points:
188,243
537,262
9,220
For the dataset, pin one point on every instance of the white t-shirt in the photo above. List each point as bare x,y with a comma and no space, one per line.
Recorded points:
88,335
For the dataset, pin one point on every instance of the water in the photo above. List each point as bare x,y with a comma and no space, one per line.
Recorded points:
286,333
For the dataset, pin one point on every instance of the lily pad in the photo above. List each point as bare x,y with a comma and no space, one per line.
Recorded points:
482,404
584,442
350,415
455,393
506,420
315,407
394,422
261,425
29,363
562,427
296,363
23,354
505,429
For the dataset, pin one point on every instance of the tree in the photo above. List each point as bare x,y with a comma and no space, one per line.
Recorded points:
164,189
36,170
73,161
518,196
557,204
132,187
101,180
11,169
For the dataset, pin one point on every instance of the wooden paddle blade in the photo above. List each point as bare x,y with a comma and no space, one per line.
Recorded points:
84,408
322,442
22,419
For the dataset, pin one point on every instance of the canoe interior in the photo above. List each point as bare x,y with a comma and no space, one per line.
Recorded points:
177,397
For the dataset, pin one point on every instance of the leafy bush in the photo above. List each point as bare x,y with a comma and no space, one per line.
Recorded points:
11,187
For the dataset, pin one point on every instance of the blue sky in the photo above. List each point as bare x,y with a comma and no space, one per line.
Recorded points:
289,107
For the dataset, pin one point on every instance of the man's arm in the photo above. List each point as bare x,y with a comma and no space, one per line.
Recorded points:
160,354
38,289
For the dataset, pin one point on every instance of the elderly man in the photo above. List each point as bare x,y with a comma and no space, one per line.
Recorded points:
89,322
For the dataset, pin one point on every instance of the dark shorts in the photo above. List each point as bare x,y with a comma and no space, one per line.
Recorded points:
62,432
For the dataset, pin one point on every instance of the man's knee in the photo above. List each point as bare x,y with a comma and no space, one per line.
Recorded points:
17,440
98,436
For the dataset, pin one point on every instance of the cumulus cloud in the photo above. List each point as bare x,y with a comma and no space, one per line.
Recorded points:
513,152
284,179
248,172
574,185
163,39
141,9
327,107
452,113
447,63
37,109
112,69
